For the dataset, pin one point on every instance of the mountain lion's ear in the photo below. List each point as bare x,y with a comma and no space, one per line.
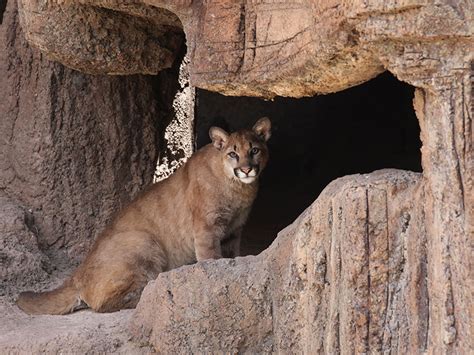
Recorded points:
263,128
218,136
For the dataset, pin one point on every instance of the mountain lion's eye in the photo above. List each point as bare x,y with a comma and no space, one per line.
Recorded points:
254,151
233,155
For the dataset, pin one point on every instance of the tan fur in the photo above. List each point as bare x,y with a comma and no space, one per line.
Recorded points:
196,214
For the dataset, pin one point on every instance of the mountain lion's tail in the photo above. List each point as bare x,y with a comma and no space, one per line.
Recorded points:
59,301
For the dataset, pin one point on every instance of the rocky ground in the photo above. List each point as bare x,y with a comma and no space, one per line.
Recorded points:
81,332
25,267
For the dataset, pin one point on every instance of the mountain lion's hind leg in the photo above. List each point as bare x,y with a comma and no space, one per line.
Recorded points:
118,271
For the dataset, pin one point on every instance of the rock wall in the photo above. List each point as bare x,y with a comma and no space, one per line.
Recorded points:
74,149
377,298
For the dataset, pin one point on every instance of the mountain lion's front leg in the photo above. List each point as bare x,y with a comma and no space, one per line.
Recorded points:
207,242
231,244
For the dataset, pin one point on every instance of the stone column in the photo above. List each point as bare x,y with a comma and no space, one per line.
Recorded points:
445,113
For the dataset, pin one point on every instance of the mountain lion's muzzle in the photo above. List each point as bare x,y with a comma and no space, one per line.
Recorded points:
247,174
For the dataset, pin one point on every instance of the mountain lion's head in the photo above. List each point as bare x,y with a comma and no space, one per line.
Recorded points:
244,153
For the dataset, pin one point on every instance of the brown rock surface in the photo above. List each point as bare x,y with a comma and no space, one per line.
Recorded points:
123,39
259,48
74,147
22,263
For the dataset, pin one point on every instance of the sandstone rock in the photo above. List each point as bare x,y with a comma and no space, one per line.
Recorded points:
349,275
258,48
22,263
124,39
74,147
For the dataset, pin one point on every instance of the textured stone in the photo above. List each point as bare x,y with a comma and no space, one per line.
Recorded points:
258,48
74,147
22,263
84,332
121,40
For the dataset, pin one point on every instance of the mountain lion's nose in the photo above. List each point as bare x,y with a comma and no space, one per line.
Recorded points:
246,170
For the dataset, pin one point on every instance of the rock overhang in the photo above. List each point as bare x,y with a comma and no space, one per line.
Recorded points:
294,49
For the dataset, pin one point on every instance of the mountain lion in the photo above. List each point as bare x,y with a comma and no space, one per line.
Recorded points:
196,214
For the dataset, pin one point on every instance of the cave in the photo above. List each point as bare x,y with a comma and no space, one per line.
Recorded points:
314,141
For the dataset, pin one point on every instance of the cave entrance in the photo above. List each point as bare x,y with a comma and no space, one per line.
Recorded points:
314,141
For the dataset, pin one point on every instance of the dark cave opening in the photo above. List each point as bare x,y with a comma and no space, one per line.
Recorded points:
314,141
3,7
